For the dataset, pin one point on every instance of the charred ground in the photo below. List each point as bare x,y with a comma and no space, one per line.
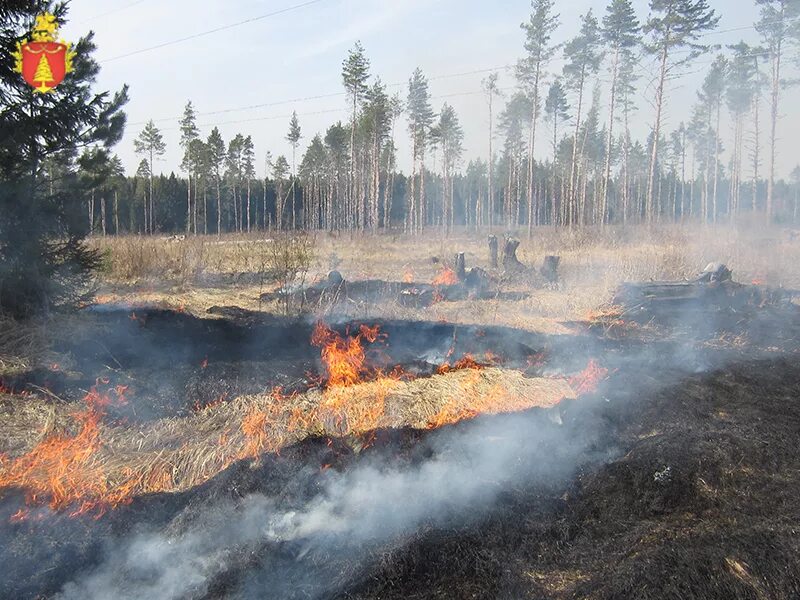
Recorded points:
685,482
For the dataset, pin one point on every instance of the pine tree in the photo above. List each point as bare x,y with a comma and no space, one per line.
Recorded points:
672,25
376,126
248,171
492,91
143,174
778,28
556,110
355,73
583,57
189,133
712,94
293,137
740,95
215,154
420,119
449,136
201,166
621,34
150,143
279,173
233,176
538,33
43,260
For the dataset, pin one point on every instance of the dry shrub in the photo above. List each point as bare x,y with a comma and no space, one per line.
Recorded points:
136,258
20,345
291,255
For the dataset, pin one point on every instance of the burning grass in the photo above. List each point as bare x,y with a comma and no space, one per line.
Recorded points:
101,466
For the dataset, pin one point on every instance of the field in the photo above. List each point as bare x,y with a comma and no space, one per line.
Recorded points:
189,435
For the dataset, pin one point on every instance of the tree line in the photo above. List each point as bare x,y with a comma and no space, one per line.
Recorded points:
560,148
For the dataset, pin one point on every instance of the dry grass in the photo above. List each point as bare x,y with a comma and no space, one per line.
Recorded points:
180,453
593,264
21,345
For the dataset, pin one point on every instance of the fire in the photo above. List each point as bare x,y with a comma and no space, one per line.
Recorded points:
343,358
408,275
445,277
254,427
60,471
587,380
465,362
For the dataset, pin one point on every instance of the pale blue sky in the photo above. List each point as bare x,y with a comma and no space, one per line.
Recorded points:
287,59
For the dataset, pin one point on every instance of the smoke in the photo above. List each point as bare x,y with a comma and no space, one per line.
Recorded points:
375,504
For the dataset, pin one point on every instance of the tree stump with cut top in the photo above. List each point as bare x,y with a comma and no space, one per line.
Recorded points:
461,267
510,260
549,268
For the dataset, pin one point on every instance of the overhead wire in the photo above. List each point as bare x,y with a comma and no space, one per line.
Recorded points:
212,31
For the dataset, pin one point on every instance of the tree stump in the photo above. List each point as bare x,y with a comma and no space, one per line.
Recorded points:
493,251
510,260
549,268
461,267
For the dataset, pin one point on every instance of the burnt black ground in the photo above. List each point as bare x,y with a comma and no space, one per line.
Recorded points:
688,488
175,361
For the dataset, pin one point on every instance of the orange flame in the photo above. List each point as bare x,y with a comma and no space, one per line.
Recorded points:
343,358
445,277
408,275
587,380
60,472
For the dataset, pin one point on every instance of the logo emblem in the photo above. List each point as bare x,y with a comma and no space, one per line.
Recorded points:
44,60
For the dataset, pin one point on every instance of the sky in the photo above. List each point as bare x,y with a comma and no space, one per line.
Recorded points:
249,78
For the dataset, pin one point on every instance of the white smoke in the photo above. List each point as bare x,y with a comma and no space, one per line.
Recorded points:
372,503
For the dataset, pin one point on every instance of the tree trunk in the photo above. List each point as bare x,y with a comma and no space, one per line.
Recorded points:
574,165
610,137
219,209
510,260
656,134
491,168
188,203
531,145
776,86
248,205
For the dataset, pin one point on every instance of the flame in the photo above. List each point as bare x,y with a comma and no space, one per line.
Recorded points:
204,363
408,275
343,358
465,362
587,380
445,277
60,471
78,471
254,427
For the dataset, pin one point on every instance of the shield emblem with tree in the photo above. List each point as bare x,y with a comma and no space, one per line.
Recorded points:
44,61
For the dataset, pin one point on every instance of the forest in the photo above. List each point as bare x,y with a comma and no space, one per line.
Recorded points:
559,147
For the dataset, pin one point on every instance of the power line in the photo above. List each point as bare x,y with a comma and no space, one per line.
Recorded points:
210,31
397,84
319,112
316,97
110,12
